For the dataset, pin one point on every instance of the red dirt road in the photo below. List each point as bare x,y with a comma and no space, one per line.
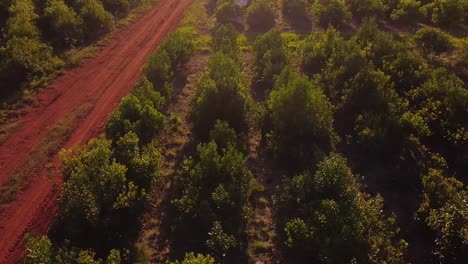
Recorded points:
101,83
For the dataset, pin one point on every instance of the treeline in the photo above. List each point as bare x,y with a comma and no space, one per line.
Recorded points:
37,33
107,180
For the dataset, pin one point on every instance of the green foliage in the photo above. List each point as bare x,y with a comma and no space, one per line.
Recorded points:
301,120
407,71
160,69
261,15
220,243
327,219
433,40
407,11
137,113
39,250
227,11
442,102
220,96
445,12
191,258
22,21
117,7
64,24
445,211
160,73
373,109
331,12
333,60
213,189
223,135
180,48
378,45
367,8
270,57
225,41
295,10
97,21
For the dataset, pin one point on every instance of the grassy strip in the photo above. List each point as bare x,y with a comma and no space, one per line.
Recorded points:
49,146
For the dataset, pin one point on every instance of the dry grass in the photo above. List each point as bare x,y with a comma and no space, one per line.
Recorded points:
49,146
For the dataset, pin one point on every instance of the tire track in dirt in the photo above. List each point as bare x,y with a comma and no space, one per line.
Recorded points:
101,81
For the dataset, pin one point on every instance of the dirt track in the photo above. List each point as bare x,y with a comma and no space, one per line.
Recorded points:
101,83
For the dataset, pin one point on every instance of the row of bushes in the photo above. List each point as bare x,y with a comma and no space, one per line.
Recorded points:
106,181
213,184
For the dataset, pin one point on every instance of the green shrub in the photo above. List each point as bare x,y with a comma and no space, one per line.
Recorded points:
97,21
445,12
433,40
270,57
367,8
295,10
64,24
442,102
191,258
301,120
180,48
98,191
22,20
379,45
137,113
327,216
117,7
261,15
407,71
331,12
445,211
407,11
220,96
325,56
225,41
160,73
372,110
213,188
227,11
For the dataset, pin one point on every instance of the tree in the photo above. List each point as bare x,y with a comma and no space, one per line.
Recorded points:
261,15
39,250
220,96
301,119
160,73
441,102
407,11
97,21
328,219
225,41
367,8
445,211
331,12
117,7
433,40
270,57
227,11
295,10
445,12
137,113
64,24
191,258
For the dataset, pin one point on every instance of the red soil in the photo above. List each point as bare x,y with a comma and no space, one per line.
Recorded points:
101,82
